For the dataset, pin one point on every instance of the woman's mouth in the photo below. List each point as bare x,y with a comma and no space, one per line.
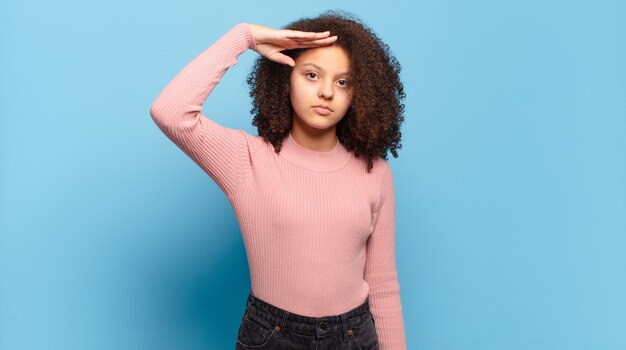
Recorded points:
323,110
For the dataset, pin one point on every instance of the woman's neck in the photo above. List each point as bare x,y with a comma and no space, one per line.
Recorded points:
315,140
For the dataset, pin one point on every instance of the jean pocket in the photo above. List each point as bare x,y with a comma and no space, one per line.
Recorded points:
363,336
254,332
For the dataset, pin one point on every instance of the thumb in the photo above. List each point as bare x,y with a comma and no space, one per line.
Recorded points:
284,59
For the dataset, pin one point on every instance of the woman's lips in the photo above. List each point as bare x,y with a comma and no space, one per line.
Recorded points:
322,110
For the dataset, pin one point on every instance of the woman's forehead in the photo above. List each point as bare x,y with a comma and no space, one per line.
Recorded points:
330,58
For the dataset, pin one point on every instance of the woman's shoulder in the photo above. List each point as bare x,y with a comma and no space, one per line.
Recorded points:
381,166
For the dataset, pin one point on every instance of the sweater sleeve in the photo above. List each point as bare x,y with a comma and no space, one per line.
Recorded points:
381,274
225,154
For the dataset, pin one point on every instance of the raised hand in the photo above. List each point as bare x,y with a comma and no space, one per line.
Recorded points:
270,42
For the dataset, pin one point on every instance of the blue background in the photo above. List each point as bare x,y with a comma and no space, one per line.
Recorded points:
511,183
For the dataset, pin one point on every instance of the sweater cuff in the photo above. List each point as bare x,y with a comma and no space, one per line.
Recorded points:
245,28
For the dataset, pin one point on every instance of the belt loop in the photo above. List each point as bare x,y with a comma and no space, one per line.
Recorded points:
283,322
344,326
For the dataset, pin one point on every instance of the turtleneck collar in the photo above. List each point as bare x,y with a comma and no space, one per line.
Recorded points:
314,160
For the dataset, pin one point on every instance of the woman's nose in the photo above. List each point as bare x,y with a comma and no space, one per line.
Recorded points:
326,90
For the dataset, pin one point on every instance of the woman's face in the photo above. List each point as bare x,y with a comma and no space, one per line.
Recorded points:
320,78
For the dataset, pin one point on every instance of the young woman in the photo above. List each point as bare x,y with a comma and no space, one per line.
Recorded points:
313,192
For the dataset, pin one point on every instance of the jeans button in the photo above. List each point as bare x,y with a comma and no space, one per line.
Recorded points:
323,326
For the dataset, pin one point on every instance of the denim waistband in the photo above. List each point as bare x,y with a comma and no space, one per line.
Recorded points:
319,326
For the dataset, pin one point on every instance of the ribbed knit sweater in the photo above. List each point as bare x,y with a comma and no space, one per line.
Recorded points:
318,229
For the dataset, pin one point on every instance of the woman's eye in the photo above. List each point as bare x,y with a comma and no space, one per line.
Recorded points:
343,83
311,75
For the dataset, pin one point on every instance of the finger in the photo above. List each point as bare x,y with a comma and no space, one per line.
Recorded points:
313,37
282,58
299,35
317,42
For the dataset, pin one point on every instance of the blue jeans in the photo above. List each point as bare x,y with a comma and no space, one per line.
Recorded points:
265,326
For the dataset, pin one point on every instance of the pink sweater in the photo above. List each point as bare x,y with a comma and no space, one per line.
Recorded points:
319,231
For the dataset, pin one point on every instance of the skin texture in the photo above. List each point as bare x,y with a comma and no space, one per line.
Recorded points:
370,126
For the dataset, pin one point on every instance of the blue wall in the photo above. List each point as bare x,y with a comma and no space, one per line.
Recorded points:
511,185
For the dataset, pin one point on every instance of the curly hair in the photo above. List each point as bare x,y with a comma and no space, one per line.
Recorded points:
371,125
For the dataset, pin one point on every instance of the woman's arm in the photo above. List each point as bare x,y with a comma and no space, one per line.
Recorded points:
225,154
380,271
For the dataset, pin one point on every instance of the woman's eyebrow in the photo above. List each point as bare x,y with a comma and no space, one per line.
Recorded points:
322,69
